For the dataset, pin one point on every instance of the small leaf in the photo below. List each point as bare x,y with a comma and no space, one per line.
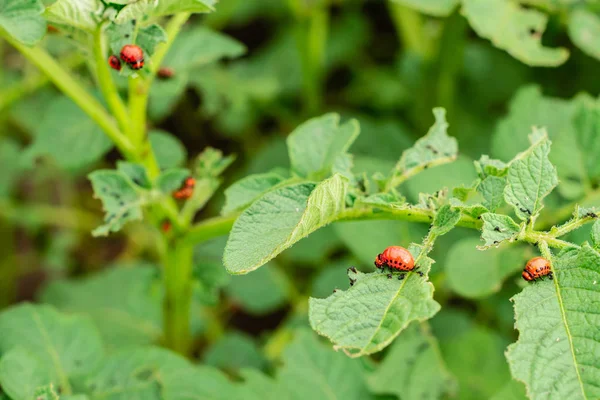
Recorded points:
315,145
445,219
135,172
498,228
81,14
514,29
22,20
211,163
281,218
375,310
140,9
171,180
243,192
168,149
584,31
121,201
413,367
557,322
64,346
306,362
147,37
487,166
492,190
435,148
438,8
475,274
531,177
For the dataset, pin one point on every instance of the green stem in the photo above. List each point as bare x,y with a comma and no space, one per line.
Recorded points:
209,229
106,83
312,42
69,86
409,27
178,265
138,105
64,217
397,180
570,226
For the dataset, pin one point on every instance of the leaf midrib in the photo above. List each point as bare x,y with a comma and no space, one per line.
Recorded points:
568,331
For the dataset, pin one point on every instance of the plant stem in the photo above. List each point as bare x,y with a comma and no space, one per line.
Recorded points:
397,180
178,295
69,86
313,27
571,226
209,229
409,27
138,105
106,83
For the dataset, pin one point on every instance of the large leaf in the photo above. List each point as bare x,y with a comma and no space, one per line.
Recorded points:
243,192
438,8
367,317
558,323
69,136
130,315
311,370
22,20
281,218
148,373
473,273
413,367
315,145
139,9
531,177
82,14
39,339
514,29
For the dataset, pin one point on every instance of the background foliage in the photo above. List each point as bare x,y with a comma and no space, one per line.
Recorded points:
308,127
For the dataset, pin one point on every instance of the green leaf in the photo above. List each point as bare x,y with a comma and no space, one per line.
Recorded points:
65,347
10,155
171,180
245,191
69,136
168,149
584,31
47,393
514,29
262,292
384,306
529,108
473,353
315,145
558,323
140,9
233,352
281,218
200,46
22,20
136,173
475,274
258,386
81,14
435,148
498,228
211,163
131,315
314,371
147,37
445,219
438,8
531,177
21,373
487,166
120,200
513,390
492,190
413,367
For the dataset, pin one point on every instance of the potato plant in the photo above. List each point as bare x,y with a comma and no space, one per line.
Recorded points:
193,195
